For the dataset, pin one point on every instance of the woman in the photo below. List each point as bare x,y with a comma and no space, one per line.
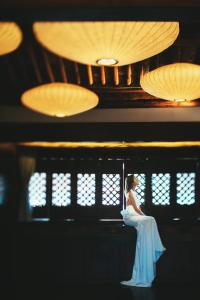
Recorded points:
148,246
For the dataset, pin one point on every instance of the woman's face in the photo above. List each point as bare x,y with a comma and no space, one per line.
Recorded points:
135,181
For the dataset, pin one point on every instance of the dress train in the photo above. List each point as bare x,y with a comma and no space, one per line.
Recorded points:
149,248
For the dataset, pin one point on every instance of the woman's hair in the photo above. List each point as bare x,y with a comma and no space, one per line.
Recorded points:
128,183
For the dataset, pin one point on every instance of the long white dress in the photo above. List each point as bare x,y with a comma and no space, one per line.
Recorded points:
148,246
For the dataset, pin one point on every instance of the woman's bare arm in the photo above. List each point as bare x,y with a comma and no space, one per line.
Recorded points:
131,201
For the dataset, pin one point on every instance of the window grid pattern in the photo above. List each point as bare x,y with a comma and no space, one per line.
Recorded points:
111,189
185,189
160,185
86,185
61,189
140,189
2,189
37,189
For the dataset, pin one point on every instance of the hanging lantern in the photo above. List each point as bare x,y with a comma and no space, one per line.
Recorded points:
106,43
175,82
10,37
59,99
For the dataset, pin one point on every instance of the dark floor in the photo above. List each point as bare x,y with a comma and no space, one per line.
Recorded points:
41,257
108,291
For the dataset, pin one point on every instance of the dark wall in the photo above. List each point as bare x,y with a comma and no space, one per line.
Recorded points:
8,212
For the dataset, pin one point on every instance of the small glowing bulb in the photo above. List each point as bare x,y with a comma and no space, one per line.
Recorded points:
107,61
180,100
60,115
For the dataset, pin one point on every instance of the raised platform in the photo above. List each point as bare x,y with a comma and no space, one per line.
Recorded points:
56,253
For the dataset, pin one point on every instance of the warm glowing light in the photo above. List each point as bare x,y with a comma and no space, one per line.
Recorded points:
179,100
60,115
120,42
176,82
112,144
107,61
10,37
59,99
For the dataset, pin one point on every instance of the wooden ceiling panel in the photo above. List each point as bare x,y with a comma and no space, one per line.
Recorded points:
118,87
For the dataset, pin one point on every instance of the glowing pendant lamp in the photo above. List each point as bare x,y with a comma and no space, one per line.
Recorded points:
106,43
10,37
59,99
175,82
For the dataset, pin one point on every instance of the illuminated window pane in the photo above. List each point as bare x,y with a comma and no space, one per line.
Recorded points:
140,189
37,189
160,184
61,189
185,190
2,189
110,189
86,189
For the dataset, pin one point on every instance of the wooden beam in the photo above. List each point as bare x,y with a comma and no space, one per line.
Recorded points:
129,75
35,64
90,75
103,75
78,78
145,131
130,97
116,75
62,69
48,66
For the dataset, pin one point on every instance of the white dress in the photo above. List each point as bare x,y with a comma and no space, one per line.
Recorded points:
148,246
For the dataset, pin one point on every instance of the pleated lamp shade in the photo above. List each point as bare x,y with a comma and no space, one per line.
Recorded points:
59,99
10,37
106,43
175,82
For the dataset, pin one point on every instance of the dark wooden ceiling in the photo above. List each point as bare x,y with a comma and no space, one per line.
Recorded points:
117,87
31,65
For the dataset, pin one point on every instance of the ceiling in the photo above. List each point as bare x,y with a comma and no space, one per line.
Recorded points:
121,98
118,87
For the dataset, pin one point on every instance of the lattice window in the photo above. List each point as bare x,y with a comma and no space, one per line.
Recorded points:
2,189
185,192
61,189
160,184
86,189
110,189
140,189
37,189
